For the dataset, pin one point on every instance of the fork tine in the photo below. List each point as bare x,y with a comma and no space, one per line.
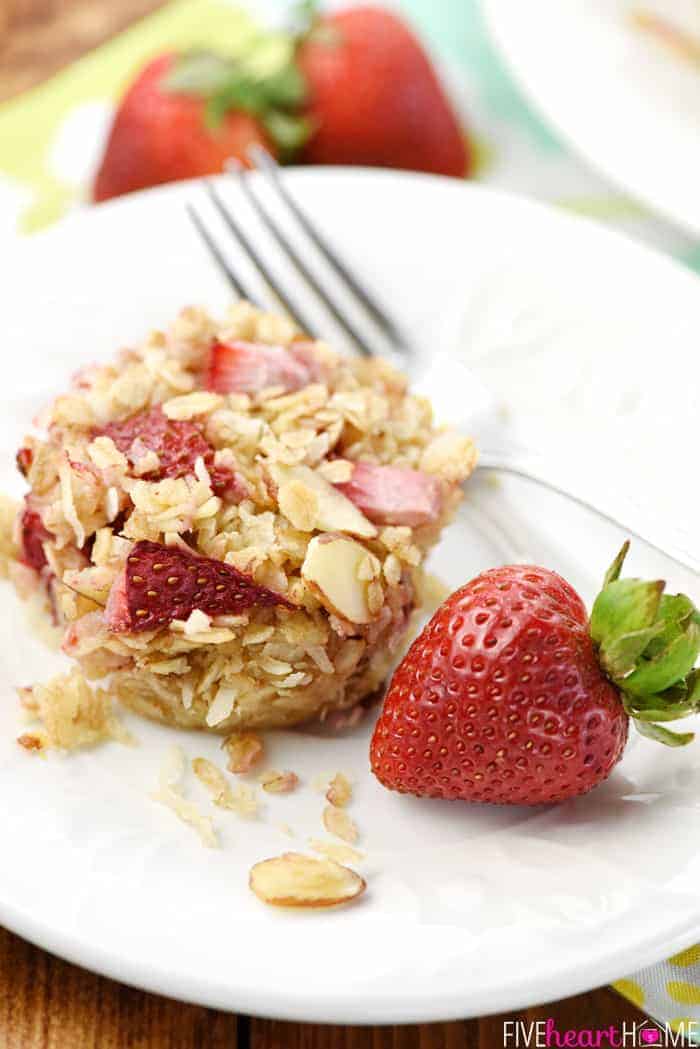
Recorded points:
223,264
266,163
290,251
261,266
331,304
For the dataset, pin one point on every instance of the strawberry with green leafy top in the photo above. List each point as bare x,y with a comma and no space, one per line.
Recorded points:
357,87
185,116
513,695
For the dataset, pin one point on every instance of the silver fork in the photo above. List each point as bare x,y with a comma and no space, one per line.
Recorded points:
520,462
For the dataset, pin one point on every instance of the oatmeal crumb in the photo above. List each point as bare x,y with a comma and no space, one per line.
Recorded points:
244,750
339,790
275,782
239,799
338,822
333,851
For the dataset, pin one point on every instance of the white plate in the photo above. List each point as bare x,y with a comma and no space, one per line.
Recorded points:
470,909
628,105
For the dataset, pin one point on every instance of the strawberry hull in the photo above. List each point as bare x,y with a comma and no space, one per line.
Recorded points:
160,136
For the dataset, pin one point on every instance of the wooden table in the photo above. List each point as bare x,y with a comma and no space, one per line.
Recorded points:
46,1003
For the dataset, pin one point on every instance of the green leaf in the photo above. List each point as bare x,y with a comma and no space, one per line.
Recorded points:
667,706
241,94
303,18
623,607
199,73
613,572
692,684
620,656
669,666
648,643
664,735
289,133
285,88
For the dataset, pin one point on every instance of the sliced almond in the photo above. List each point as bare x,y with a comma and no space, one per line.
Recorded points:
299,504
332,569
336,821
244,749
333,851
295,880
339,790
336,471
334,511
275,782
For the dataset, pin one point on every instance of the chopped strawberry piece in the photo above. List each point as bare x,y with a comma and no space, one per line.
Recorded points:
34,535
178,444
248,367
160,583
394,495
25,457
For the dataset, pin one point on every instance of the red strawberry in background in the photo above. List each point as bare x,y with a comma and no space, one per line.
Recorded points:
356,88
512,695
374,97
160,583
185,116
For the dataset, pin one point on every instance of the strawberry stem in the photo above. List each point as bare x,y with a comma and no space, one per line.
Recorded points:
648,643
227,85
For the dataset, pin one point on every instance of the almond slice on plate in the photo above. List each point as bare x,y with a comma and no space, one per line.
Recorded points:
333,567
295,880
333,511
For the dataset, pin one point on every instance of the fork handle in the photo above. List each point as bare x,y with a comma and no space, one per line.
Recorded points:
602,502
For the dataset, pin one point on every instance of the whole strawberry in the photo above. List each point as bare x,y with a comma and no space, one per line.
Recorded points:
512,695
185,115
374,97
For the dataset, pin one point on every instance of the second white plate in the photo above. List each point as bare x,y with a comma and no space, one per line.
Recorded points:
626,103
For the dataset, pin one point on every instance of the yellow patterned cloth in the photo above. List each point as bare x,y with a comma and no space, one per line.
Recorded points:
51,139
669,992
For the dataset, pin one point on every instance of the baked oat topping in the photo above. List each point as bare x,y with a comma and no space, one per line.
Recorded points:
243,446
